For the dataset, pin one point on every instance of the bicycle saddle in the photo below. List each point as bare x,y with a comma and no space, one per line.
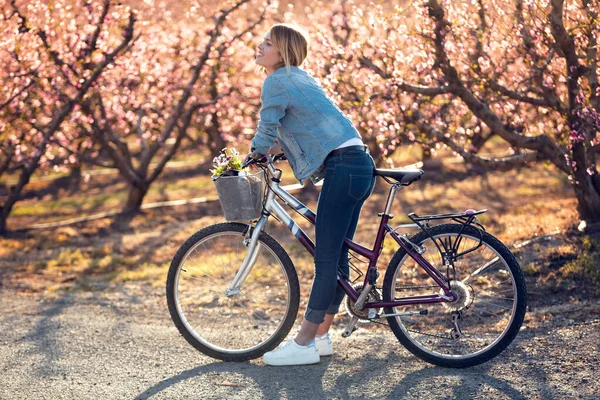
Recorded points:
406,176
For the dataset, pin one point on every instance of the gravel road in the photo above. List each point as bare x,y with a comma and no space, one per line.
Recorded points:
121,345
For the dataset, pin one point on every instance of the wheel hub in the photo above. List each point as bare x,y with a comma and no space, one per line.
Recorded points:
464,294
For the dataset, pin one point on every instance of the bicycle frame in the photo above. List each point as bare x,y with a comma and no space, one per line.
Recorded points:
272,207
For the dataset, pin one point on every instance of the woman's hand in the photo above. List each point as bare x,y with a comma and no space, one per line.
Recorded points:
252,157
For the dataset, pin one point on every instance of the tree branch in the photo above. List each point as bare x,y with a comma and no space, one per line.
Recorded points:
54,56
138,128
7,102
592,57
113,138
62,112
552,102
196,69
540,143
182,128
82,156
502,164
250,28
94,39
9,153
415,89
123,164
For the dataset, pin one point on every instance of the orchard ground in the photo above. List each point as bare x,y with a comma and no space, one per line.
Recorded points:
68,288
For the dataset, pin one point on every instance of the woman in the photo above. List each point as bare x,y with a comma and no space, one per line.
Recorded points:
319,142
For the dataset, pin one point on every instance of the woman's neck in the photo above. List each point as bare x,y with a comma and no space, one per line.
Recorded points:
273,69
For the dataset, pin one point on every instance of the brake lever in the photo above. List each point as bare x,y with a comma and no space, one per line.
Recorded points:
279,157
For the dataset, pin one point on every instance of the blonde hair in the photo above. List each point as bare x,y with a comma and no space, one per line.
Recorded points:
291,43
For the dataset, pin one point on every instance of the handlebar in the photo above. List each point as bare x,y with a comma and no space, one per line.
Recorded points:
271,158
254,161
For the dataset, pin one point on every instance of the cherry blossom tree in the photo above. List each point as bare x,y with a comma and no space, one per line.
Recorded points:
337,30
81,87
53,55
175,77
456,73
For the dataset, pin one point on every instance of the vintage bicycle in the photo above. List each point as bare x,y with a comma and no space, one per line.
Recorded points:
452,294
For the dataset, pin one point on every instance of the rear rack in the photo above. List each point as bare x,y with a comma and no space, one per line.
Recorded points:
450,249
466,217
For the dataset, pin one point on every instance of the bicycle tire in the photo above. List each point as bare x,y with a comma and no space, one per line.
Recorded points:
429,337
269,302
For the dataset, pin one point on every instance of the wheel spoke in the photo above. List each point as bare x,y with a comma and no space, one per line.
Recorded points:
195,278
219,323
494,304
488,297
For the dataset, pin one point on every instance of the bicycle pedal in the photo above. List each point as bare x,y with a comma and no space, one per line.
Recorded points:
350,328
347,333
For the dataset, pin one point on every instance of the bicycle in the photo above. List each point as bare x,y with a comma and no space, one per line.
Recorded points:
462,293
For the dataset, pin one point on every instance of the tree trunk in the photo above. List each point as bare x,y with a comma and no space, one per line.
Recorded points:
132,207
427,159
75,178
215,141
425,153
588,204
3,217
134,198
14,194
6,208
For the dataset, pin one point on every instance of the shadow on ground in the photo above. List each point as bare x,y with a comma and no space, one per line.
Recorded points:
365,377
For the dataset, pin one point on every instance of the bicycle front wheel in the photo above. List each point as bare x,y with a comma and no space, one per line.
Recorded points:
235,327
491,304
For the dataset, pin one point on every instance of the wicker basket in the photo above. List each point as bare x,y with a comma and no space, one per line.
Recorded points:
241,197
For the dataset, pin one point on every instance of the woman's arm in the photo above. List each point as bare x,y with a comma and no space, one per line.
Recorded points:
274,99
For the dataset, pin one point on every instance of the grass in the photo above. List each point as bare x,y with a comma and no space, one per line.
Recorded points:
69,207
104,192
587,264
180,188
147,272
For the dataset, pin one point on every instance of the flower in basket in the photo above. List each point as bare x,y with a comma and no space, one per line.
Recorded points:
226,164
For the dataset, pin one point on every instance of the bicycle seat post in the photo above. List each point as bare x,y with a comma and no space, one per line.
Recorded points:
390,201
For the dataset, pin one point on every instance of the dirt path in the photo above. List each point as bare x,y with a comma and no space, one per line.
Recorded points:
122,345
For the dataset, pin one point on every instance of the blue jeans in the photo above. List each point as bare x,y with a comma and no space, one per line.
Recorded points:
349,181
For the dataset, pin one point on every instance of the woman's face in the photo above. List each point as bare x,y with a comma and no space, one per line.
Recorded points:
268,56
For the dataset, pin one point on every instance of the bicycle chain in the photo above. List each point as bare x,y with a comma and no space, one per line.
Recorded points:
431,334
417,287
379,322
407,287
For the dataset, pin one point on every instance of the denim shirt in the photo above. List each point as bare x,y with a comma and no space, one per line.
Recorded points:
304,120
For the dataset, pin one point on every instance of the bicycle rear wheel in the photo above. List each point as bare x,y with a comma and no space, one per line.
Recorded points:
235,327
491,305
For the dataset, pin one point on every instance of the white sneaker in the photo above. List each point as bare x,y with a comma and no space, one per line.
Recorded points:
291,353
324,344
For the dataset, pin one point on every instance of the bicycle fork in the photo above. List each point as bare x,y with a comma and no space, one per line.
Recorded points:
249,260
